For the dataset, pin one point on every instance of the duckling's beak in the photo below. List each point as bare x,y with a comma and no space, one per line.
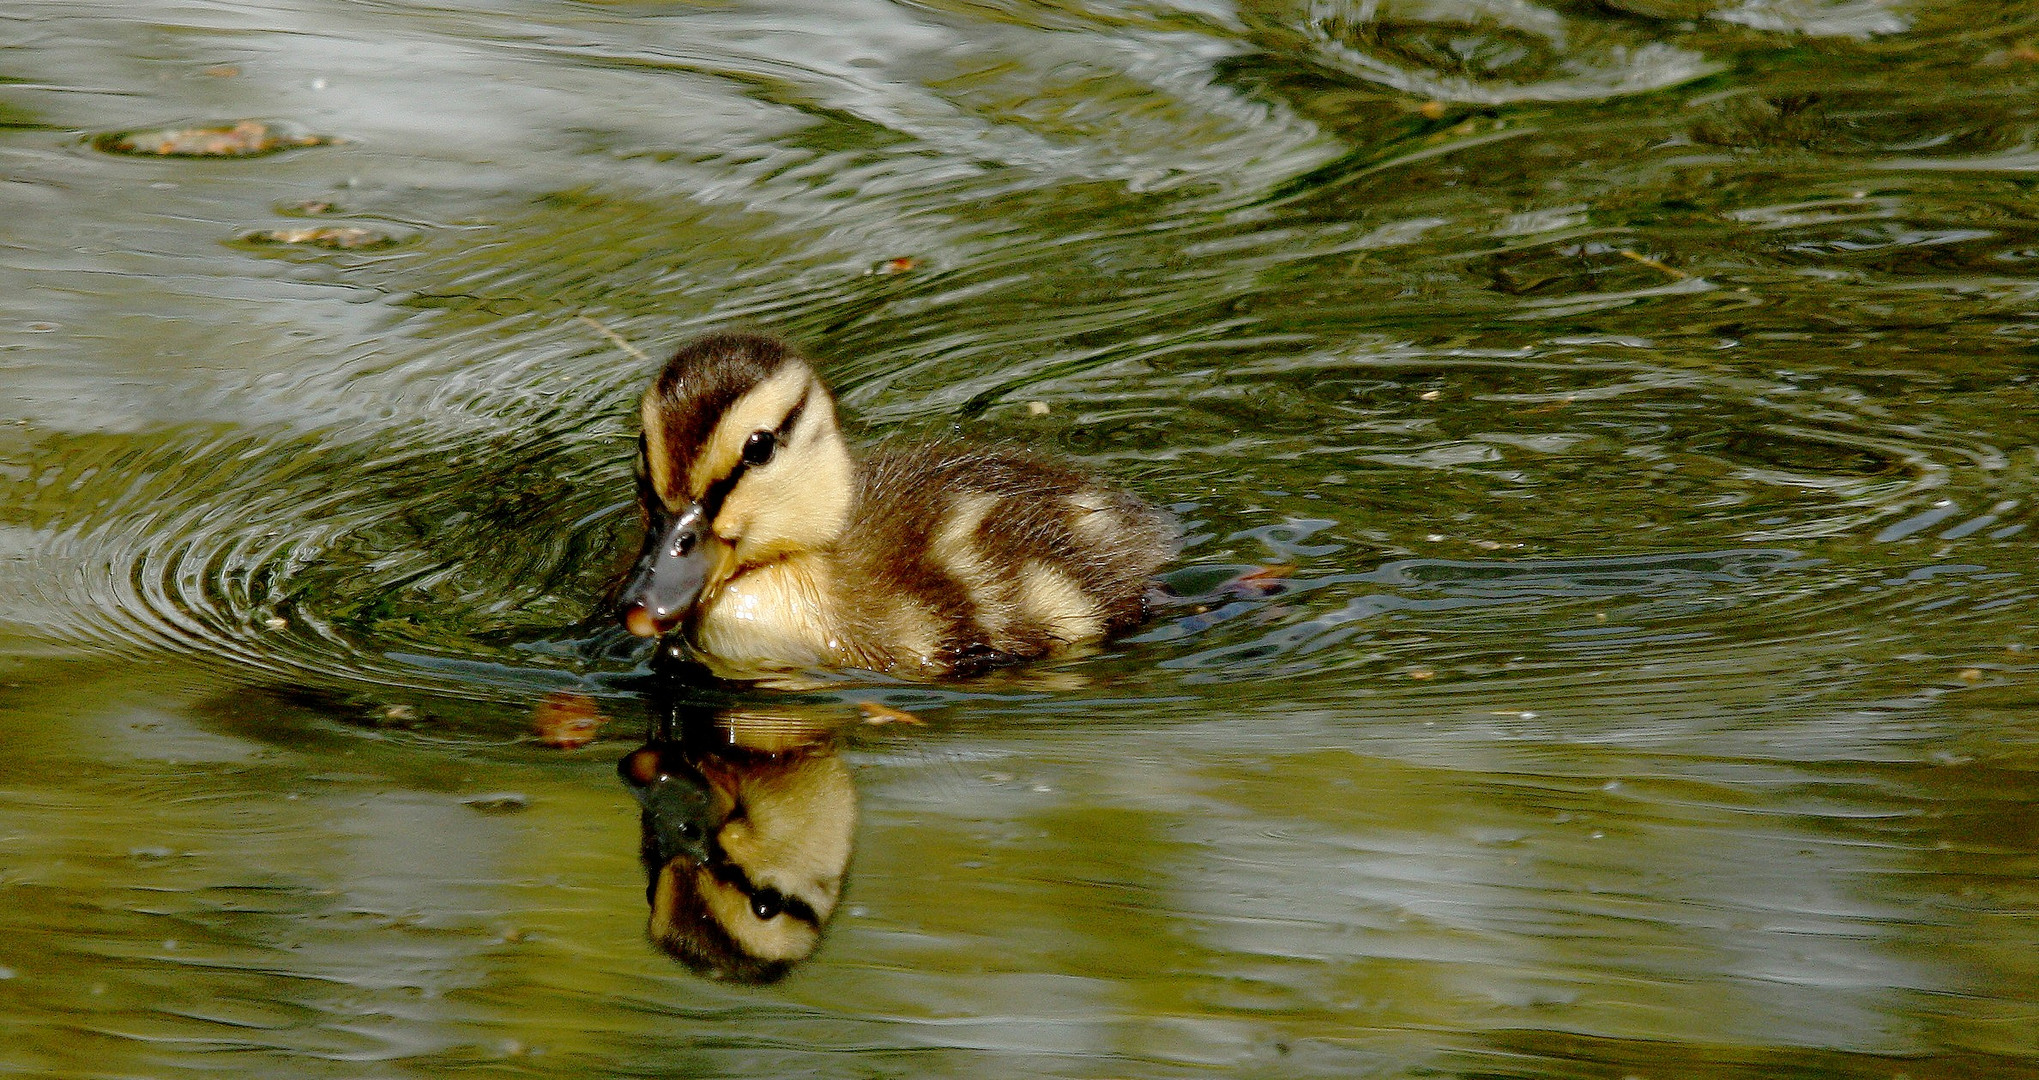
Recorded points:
670,573
678,810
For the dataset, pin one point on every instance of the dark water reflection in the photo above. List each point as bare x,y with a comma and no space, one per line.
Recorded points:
1607,432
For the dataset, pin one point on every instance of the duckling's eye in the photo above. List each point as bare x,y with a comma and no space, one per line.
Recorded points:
767,903
758,448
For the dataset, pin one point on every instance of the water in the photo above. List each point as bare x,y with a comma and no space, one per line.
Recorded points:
1641,392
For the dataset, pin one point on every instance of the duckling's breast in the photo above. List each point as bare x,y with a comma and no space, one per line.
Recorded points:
777,617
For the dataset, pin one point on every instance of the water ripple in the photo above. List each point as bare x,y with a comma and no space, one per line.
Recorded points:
345,554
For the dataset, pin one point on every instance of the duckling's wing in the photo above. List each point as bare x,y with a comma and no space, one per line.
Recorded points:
1013,553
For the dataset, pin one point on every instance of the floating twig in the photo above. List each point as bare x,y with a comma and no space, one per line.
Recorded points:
620,341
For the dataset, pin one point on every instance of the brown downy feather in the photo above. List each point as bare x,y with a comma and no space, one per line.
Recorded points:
1012,555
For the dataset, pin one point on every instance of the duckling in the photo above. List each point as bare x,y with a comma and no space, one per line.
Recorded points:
746,840
771,548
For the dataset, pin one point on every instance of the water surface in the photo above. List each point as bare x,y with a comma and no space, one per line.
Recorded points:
1639,393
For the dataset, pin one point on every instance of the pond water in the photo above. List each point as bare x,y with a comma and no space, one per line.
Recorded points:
1626,407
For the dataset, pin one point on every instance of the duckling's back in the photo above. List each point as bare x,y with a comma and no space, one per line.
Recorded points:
968,557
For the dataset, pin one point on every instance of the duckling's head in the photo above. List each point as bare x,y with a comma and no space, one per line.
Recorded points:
744,853
741,464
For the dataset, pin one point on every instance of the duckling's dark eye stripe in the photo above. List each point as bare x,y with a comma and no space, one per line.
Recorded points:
711,500
785,427
733,876
647,488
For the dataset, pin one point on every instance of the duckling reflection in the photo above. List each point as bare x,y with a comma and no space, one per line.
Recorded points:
747,825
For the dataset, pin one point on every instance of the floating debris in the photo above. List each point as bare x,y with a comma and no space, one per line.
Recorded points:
898,265
617,339
1258,583
875,714
1037,408
310,208
330,237
1654,264
566,721
248,138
